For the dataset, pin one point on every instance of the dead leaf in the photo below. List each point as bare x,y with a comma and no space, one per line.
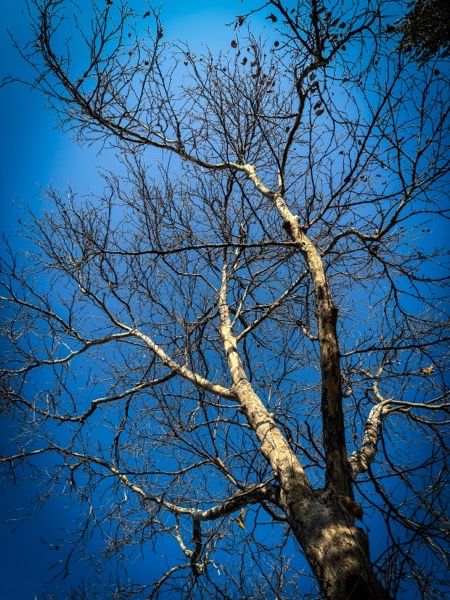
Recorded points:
240,519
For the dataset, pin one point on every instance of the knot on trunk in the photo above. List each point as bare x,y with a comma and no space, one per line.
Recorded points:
292,227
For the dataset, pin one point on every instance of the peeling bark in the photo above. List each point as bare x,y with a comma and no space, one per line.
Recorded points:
336,549
337,471
360,460
274,446
331,401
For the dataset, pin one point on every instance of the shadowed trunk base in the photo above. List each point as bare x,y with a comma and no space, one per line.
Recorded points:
337,551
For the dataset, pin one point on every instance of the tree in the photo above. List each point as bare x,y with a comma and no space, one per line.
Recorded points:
244,346
426,29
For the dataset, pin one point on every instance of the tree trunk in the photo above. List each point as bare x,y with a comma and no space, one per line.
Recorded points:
336,549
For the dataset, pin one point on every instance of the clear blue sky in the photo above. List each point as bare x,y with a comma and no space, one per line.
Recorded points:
34,154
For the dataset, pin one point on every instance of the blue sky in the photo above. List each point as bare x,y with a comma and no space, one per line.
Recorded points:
34,154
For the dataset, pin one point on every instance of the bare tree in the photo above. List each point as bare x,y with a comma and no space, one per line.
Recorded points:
240,346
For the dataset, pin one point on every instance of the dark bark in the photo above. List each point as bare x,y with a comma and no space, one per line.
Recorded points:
337,550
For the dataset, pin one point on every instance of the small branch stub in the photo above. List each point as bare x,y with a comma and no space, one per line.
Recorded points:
353,507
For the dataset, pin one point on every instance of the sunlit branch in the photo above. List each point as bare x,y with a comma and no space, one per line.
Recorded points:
184,372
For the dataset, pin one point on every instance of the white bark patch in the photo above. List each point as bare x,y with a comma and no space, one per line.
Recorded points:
361,459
